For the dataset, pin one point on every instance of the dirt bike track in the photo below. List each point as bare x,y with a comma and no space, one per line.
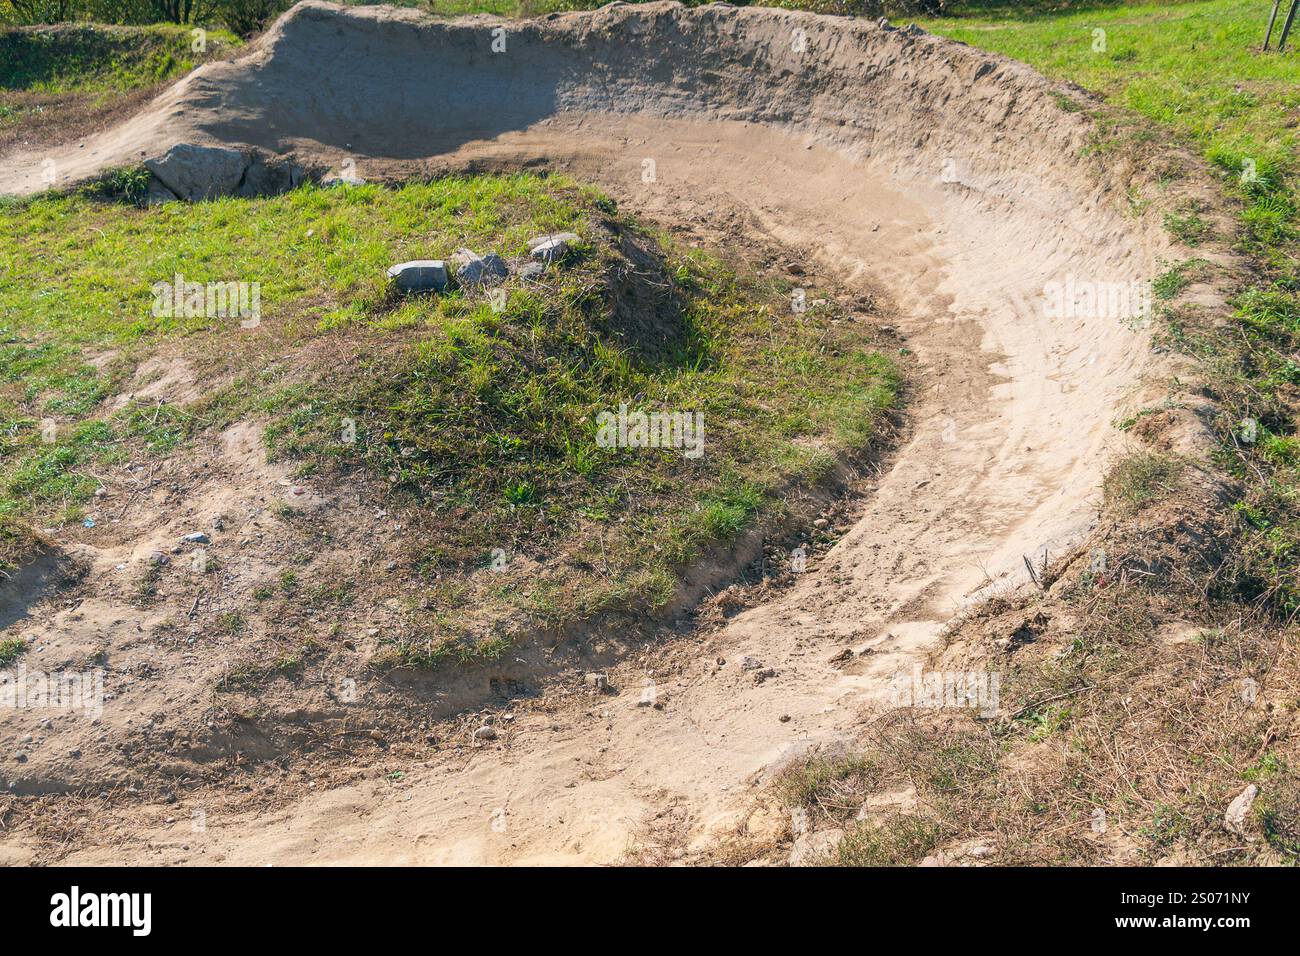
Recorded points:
949,181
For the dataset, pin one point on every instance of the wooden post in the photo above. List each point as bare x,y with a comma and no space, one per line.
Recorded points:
1271,20
1286,27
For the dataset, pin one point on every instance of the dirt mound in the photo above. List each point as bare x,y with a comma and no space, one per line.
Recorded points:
953,182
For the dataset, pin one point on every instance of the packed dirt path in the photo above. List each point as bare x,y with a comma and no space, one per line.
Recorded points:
945,178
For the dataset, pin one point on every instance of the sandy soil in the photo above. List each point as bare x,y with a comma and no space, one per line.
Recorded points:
893,160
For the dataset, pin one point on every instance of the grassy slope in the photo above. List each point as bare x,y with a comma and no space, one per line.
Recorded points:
96,59
57,83
481,417
1193,68
53,69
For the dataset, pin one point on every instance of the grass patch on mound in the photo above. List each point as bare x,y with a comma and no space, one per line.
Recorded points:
76,58
1140,479
475,413
96,264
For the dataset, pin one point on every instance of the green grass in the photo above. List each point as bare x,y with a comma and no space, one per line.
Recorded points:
1175,279
899,841
820,782
253,676
1140,479
230,622
18,542
11,648
478,414
942,774
95,263
96,59
1195,69
1188,227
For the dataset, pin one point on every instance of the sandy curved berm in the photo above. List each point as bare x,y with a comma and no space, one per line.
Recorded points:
952,179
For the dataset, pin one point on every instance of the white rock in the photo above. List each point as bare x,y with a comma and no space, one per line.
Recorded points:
419,275
1239,809
199,172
